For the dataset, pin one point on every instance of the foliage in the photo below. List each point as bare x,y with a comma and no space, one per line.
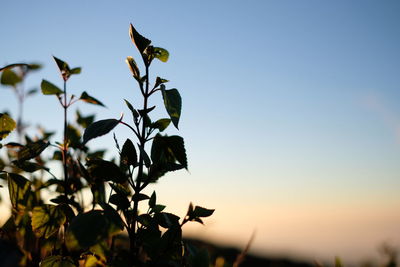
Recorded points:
64,231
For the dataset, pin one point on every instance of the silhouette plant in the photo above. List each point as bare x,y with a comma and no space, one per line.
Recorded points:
64,233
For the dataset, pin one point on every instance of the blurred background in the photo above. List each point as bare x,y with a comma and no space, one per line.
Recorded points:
291,110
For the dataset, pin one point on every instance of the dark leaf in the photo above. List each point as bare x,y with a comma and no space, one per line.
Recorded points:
32,150
102,170
63,67
160,81
90,228
99,128
140,197
135,114
153,199
120,189
172,103
145,157
167,220
84,121
19,188
89,99
158,208
140,41
46,220
28,166
128,153
7,125
168,149
31,92
120,201
50,89
202,212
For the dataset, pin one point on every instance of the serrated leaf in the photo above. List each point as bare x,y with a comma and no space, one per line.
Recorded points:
140,41
46,220
99,128
57,261
90,228
172,103
50,89
9,77
128,153
89,99
161,54
7,125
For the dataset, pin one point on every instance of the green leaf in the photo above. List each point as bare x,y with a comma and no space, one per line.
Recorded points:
89,99
28,166
102,170
140,41
46,220
32,150
50,89
161,124
133,67
172,103
57,261
76,71
90,228
9,77
7,125
19,188
158,208
128,153
161,54
99,128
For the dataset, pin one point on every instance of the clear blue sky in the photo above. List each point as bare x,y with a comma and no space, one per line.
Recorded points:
291,109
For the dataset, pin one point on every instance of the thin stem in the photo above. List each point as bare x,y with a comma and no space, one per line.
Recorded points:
65,147
130,127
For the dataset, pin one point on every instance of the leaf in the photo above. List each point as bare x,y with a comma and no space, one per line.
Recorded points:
102,170
202,212
99,128
168,149
90,228
135,114
7,125
46,220
128,153
28,166
120,201
161,54
145,157
89,99
63,67
160,81
76,71
19,188
84,121
50,89
57,261
140,41
161,124
31,92
153,199
32,150
172,103
133,67
9,77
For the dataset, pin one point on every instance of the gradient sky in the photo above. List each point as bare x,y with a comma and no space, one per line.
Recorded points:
291,111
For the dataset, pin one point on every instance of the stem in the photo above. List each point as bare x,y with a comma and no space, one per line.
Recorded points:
137,188
65,148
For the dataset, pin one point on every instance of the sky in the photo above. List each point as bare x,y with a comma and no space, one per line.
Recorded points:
291,113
